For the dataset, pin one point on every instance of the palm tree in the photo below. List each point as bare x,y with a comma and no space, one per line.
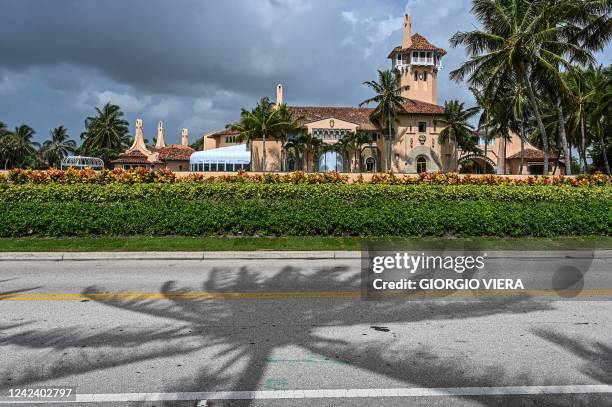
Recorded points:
356,141
59,146
483,119
343,146
601,116
599,99
519,39
308,145
107,130
4,144
579,112
458,131
264,121
21,145
389,102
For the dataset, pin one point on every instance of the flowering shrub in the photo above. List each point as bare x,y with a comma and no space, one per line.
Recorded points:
143,176
88,176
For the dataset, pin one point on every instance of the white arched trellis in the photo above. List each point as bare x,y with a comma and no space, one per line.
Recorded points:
77,161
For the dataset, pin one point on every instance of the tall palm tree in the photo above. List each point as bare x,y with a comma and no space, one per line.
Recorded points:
519,38
458,130
4,144
106,130
59,146
483,119
23,148
579,112
599,99
389,102
264,121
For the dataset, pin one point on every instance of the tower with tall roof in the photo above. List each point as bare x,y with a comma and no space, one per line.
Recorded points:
417,63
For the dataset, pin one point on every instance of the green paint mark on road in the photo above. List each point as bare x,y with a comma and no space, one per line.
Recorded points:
309,360
280,383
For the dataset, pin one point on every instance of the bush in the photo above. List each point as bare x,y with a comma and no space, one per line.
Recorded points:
189,208
114,192
141,175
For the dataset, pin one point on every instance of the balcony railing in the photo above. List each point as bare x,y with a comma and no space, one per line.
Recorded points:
422,61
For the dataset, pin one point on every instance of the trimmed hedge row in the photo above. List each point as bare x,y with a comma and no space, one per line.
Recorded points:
141,175
366,217
345,192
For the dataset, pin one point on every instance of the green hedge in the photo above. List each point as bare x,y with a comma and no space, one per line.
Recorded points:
289,210
347,192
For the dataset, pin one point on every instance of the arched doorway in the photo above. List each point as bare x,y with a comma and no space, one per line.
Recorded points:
369,159
476,164
421,164
291,164
331,161
370,164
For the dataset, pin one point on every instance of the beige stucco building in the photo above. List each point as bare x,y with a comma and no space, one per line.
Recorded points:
415,146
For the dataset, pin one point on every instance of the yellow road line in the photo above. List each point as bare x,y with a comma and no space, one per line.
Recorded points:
216,295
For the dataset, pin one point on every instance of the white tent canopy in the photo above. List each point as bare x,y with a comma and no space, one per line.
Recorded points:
77,161
232,158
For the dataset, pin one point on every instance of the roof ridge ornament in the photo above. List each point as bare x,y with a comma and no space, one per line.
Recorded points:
160,143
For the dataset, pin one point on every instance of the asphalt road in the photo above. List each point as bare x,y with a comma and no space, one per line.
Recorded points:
61,326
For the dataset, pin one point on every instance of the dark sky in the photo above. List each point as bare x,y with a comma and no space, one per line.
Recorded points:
195,63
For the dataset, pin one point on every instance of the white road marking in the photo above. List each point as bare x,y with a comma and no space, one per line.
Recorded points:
332,393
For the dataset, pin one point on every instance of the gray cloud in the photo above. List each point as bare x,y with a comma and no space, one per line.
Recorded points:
195,63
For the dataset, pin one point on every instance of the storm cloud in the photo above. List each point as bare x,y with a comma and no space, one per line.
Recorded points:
195,63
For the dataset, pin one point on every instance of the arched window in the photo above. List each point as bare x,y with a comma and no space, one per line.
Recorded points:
421,163
370,164
291,164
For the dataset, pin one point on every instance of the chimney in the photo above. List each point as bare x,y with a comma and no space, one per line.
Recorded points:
407,40
279,94
139,143
184,137
159,143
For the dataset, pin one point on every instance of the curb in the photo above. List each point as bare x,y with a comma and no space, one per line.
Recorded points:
271,255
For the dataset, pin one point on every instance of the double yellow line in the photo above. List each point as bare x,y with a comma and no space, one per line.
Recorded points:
296,295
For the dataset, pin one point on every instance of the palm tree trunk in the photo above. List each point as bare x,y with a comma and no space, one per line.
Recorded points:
389,148
486,168
604,151
562,134
505,154
536,112
264,152
583,162
557,163
522,149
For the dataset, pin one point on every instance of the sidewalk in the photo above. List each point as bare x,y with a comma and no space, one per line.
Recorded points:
246,255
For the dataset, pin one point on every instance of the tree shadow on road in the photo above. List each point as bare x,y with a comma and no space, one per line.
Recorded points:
597,356
241,335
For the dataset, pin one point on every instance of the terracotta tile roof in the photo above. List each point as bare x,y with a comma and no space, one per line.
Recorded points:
531,154
362,116
133,157
418,107
174,152
419,43
224,132
358,115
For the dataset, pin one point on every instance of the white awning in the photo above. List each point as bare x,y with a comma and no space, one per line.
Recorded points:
229,155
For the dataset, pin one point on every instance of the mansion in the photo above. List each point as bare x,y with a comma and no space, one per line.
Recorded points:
414,148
